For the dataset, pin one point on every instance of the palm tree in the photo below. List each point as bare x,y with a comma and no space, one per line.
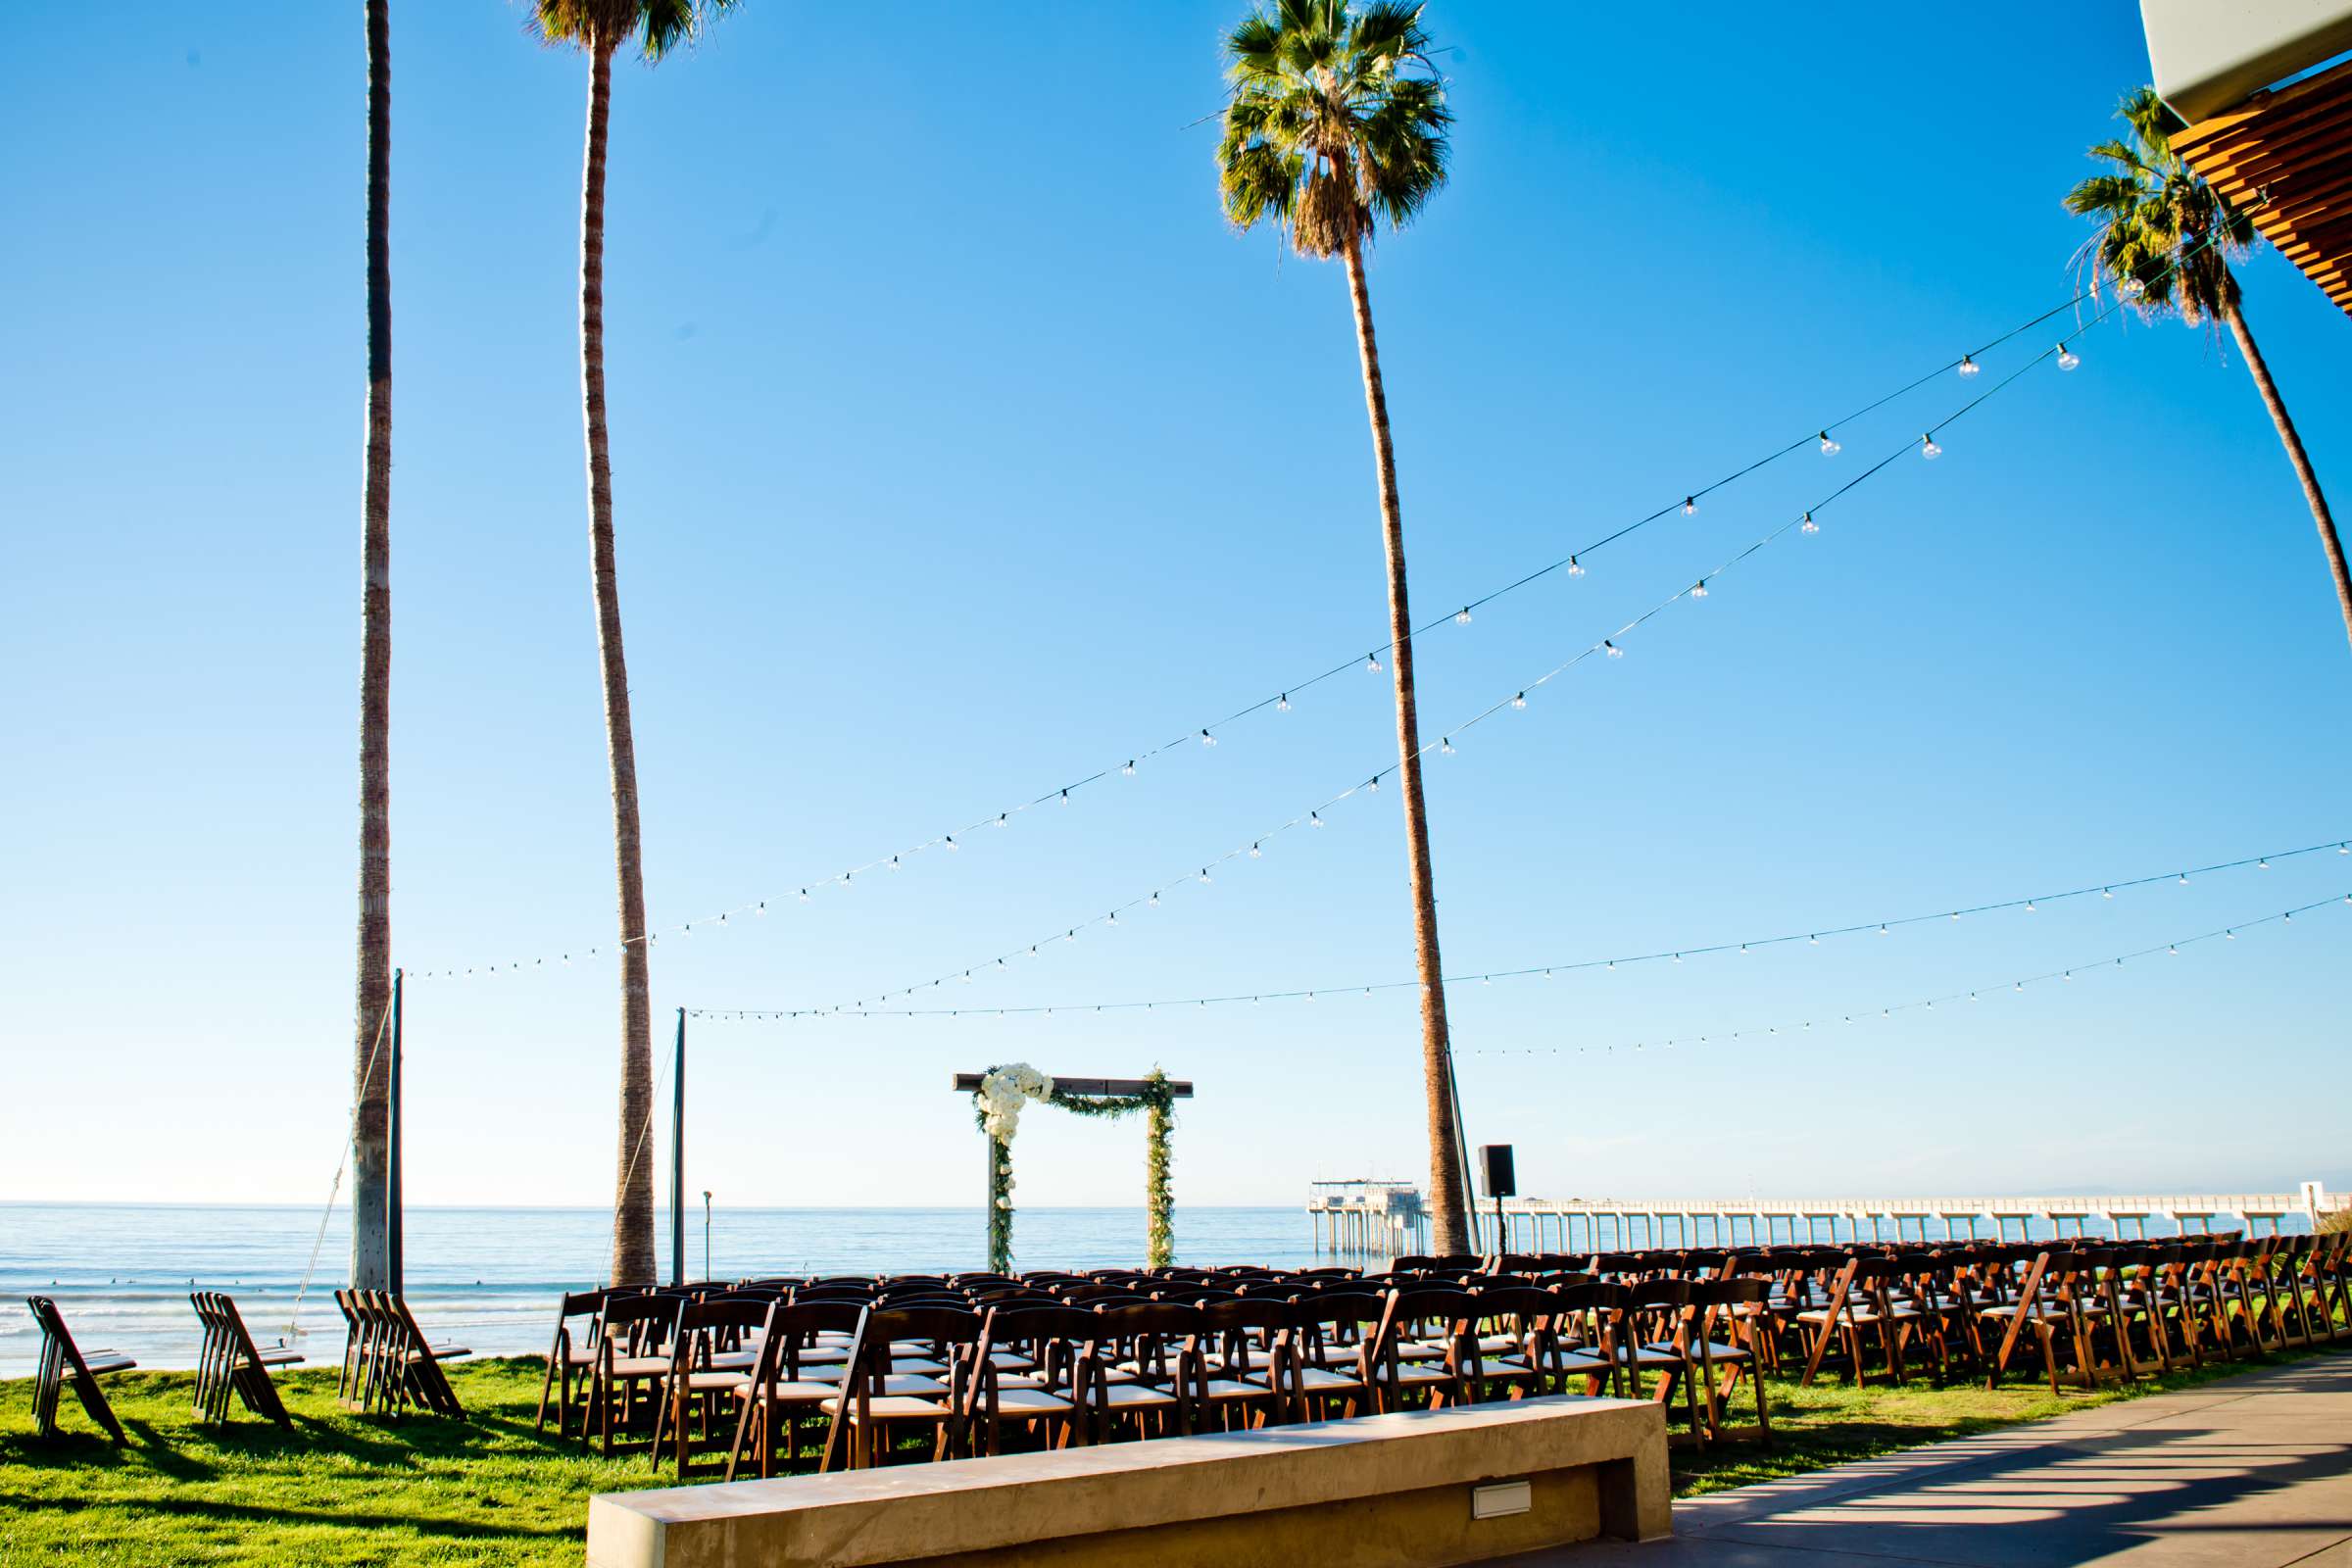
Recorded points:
1336,122
602,28
371,1258
2164,240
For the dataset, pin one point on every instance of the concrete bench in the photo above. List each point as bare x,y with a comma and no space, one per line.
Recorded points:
1414,1490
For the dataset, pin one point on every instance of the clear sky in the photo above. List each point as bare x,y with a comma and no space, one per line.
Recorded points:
961,450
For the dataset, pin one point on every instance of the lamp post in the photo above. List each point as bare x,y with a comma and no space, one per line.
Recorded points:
706,1233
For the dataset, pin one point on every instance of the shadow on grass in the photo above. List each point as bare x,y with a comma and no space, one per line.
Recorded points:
259,1513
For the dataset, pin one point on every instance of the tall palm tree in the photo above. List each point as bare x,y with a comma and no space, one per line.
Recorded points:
2165,238
370,1257
1336,123
602,28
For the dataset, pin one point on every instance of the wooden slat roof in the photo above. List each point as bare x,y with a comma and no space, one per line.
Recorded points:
2285,160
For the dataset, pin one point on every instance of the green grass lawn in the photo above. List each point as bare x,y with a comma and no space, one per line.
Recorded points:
349,1488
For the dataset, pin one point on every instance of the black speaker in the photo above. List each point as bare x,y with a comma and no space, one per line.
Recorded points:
1494,1160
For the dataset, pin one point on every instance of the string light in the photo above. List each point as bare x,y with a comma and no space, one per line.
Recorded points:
1572,563
1829,447
1446,746
1206,739
2068,359
2060,975
1969,366
1698,589
1371,663
1519,700
1461,616
1810,526
1615,651
1927,447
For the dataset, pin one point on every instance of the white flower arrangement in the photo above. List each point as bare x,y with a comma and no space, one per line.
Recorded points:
1004,1092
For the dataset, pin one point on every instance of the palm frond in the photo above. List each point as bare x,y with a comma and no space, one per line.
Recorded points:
1341,102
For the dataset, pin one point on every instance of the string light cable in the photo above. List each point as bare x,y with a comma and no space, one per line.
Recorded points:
1609,647
1811,936
1884,1013
1966,365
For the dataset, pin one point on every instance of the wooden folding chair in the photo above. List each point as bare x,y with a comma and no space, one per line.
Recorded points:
229,1363
62,1361
571,1357
865,1413
795,1369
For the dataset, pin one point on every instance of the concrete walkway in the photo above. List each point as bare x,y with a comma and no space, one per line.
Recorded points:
2253,1472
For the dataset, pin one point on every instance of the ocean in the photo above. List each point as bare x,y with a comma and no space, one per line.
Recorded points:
488,1278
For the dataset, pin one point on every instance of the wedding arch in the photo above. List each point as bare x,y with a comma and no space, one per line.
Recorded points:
999,1097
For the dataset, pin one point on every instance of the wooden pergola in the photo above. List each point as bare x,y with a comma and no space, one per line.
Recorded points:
2284,158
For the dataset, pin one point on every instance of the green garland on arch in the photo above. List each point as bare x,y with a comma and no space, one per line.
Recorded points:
1159,1238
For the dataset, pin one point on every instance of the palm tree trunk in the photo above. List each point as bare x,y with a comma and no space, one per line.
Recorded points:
633,1190
1448,1200
371,1258
2293,443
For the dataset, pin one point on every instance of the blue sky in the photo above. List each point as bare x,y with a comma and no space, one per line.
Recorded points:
961,450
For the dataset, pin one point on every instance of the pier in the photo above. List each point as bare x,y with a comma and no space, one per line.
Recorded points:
1362,1219
1354,1219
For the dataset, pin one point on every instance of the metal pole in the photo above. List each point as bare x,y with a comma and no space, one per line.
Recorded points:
677,1161
394,1127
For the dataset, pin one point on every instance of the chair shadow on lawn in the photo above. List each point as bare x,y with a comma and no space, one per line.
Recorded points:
503,1528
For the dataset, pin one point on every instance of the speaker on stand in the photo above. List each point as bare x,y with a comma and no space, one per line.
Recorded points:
1502,1181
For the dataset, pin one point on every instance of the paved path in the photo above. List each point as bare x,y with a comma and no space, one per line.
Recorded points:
2254,1472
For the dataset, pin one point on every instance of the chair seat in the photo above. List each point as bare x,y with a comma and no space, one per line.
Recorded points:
1031,1401
1421,1375
1136,1395
1717,1351
1313,1377
1646,1356
1852,1314
891,1407
789,1392
276,1357
445,1352
1237,1388
703,1382
733,1360
637,1366
108,1361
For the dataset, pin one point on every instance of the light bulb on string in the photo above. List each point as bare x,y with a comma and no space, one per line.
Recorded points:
1314,818
1004,819
1372,785
762,909
1829,447
1614,651
950,842
1371,663
1128,771
1927,447
804,895
1155,900
1445,745
2262,865
1519,700
1205,874
1281,704
1576,567
1689,504
1461,616
2068,359
1969,366
1206,739
1698,589
1256,853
